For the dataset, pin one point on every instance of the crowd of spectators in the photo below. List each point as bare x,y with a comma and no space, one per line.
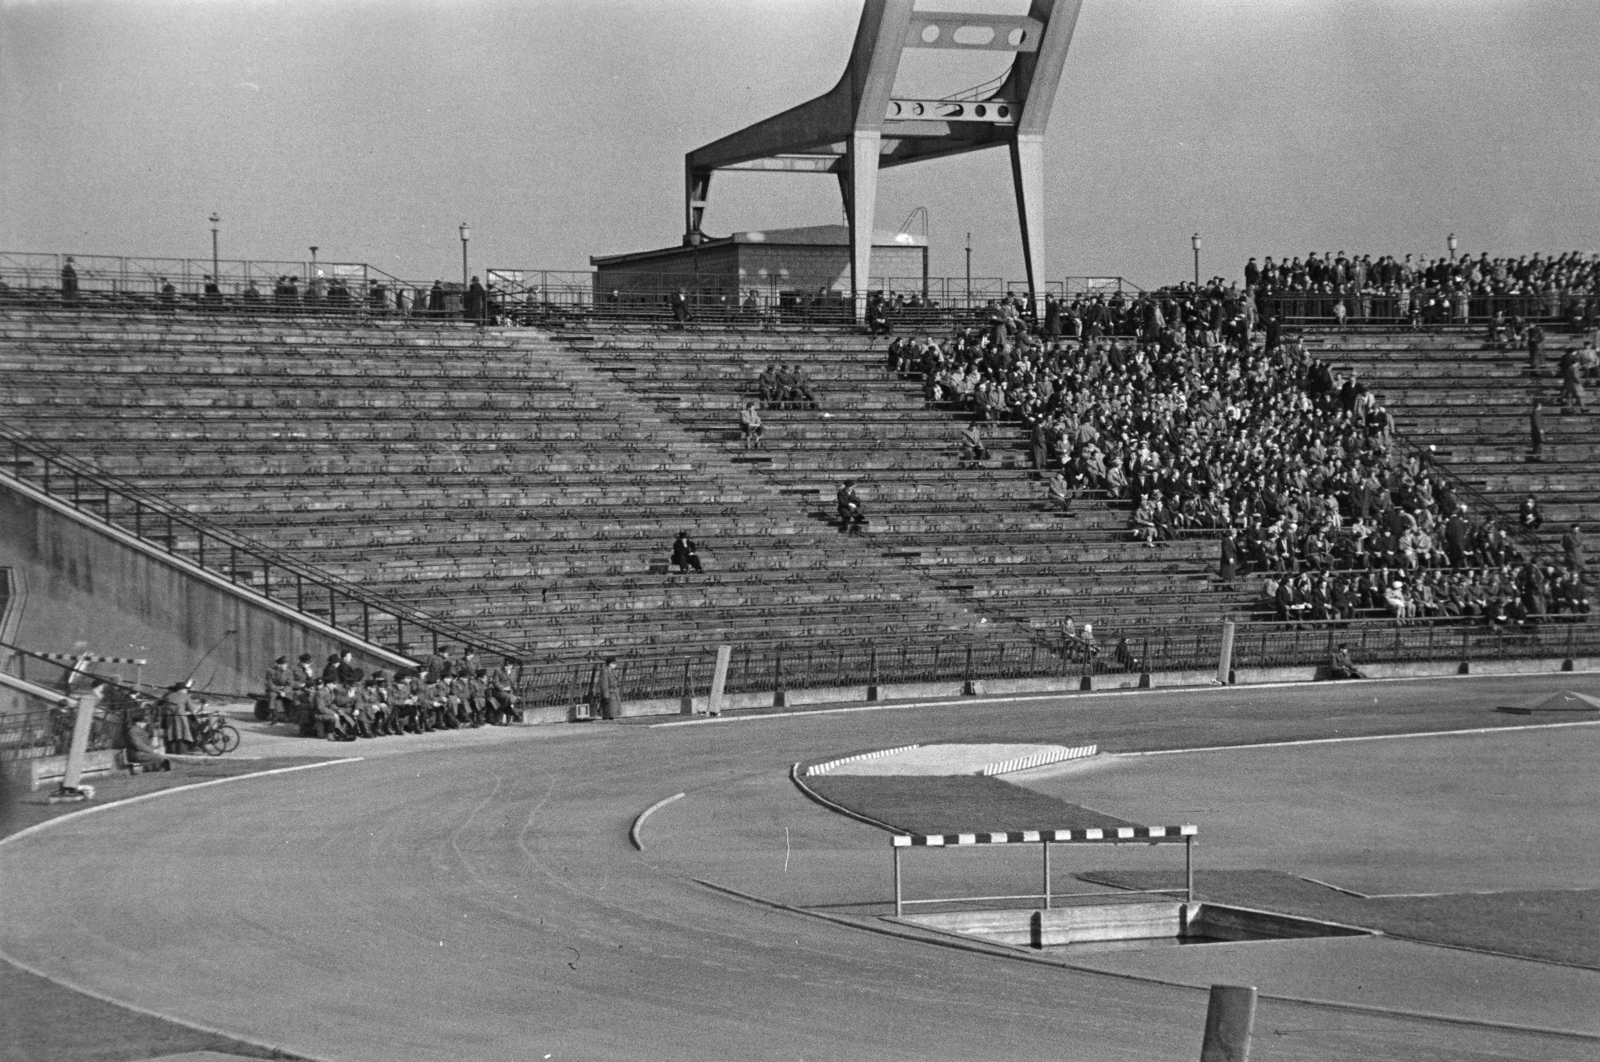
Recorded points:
340,702
1199,427
1422,292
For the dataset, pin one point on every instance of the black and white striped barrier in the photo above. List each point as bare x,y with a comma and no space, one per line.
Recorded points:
93,658
1097,833
902,842
1041,759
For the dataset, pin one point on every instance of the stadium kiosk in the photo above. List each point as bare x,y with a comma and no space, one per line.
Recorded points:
1045,838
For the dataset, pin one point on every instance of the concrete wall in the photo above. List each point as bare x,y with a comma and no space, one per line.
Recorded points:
87,588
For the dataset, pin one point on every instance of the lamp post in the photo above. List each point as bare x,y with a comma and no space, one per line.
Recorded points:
216,274
1195,240
466,234
1451,241
969,269
313,271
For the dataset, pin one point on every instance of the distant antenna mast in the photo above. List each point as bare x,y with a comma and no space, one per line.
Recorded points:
917,216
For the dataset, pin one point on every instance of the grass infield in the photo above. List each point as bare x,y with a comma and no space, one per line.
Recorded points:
1553,925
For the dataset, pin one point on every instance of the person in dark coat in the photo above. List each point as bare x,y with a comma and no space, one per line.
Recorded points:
1572,550
608,690
851,517
175,712
1536,429
69,283
1529,516
684,553
1457,538
1228,567
475,304
1340,666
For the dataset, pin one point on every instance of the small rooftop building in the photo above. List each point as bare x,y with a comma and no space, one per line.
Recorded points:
781,265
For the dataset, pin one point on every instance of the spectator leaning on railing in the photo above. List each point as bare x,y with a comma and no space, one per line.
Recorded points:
1432,292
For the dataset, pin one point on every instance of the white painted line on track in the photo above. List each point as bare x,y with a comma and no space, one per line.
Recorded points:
36,827
1361,737
102,997
1077,695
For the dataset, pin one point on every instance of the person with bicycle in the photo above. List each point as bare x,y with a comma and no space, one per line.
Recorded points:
177,715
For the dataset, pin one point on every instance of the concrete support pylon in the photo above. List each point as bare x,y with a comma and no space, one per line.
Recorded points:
1027,174
861,207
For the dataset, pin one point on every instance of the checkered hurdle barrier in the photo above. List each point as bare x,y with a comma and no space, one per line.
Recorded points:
92,658
1184,835
1112,834
1040,759
78,661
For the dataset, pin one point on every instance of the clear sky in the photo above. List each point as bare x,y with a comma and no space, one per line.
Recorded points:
557,129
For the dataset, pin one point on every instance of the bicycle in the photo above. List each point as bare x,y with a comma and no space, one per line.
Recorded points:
213,734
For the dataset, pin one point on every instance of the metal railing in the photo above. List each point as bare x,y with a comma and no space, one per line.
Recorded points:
272,573
1437,310
757,668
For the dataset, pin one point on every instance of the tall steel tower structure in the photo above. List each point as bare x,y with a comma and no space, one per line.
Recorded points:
860,126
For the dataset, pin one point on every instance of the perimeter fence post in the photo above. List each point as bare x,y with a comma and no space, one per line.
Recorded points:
1046,875
899,905
1225,659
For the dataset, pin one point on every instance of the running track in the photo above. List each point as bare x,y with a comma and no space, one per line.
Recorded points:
485,903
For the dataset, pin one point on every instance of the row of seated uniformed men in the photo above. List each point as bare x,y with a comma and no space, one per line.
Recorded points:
342,704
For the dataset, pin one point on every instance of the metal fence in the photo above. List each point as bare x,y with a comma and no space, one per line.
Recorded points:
1196,647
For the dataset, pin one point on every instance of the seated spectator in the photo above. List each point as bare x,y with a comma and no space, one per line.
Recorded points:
1060,492
502,695
750,426
852,518
1125,657
1340,666
770,388
326,719
800,393
685,555
973,450
139,750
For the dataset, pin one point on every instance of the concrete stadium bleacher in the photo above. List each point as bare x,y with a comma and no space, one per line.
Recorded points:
528,484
